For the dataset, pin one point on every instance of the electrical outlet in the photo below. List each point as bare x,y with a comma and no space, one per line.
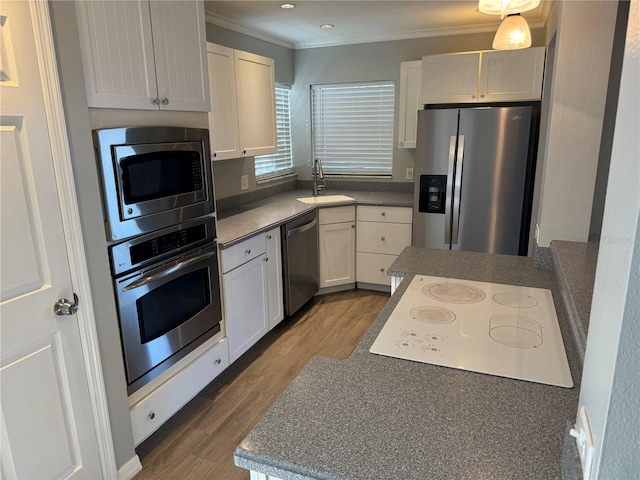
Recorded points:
584,441
537,236
409,173
244,182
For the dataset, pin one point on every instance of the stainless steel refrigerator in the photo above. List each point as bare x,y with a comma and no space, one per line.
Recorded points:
474,178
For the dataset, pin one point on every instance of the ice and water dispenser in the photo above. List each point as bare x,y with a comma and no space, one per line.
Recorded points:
432,193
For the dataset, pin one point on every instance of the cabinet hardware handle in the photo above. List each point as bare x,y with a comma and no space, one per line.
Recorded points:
401,143
247,251
353,226
156,101
269,237
473,96
382,270
165,101
214,155
383,214
482,95
266,259
152,415
218,361
244,152
382,238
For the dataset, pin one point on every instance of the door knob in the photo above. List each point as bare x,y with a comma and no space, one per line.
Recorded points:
66,307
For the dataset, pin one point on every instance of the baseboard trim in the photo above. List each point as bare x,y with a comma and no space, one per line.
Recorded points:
130,468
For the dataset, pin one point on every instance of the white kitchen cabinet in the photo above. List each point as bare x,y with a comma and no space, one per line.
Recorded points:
144,55
244,294
410,81
382,234
337,245
150,412
242,120
484,76
275,297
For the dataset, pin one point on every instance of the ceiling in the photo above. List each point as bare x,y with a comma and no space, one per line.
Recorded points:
356,21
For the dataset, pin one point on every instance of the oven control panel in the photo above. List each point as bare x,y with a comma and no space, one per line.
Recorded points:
151,248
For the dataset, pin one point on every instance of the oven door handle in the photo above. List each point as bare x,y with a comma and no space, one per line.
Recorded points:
167,271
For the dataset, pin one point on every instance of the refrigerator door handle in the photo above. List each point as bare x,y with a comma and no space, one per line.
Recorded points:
449,190
456,193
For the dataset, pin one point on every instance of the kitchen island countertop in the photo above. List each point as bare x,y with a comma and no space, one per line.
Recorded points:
240,223
373,416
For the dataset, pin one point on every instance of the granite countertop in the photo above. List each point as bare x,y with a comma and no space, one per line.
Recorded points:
575,266
240,223
372,416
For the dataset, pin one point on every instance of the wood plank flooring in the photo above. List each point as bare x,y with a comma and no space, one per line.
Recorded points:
198,442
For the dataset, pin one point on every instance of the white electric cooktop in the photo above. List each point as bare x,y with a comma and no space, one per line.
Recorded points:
504,330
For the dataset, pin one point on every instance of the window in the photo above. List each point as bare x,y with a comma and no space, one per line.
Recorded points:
353,128
278,164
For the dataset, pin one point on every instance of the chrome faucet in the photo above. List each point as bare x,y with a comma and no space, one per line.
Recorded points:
316,173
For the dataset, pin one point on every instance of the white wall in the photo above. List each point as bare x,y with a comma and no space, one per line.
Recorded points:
610,382
569,159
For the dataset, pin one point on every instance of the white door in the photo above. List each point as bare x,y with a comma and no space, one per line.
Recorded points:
47,426
337,254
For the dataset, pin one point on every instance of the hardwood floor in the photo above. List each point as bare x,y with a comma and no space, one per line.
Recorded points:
198,442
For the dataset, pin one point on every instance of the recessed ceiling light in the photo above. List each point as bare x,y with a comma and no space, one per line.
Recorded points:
288,5
326,26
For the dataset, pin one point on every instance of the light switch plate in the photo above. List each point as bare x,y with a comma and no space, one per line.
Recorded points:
584,442
244,182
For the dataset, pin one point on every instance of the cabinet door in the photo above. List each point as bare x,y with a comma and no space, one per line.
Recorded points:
337,254
117,54
256,98
450,78
410,81
512,75
223,117
180,52
245,305
274,277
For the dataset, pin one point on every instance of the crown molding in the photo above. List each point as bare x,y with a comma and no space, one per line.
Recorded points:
224,22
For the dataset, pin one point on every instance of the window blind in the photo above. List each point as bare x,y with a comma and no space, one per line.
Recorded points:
353,128
277,164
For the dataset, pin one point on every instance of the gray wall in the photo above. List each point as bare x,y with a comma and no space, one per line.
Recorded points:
368,62
610,383
65,33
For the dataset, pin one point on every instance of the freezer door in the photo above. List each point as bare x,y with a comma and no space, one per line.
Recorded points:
436,144
491,172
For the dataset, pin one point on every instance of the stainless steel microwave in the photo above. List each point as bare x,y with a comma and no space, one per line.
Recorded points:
153,177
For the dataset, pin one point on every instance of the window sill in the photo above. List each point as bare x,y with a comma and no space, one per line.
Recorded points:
276,178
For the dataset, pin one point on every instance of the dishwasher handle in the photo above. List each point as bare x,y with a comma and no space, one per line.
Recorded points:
302,229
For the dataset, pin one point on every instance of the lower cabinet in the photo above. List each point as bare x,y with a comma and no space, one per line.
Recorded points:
383,232
252,298
274,277
149,413
337,245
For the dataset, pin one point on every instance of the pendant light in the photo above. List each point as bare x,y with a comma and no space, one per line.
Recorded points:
512,34
506,7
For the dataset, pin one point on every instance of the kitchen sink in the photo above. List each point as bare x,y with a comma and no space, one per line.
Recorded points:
325,199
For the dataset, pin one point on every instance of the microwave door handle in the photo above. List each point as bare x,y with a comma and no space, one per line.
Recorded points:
164,272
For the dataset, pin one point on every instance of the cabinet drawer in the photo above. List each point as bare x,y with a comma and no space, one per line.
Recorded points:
385,214
372,268
244,251
337,214
374,237
156,408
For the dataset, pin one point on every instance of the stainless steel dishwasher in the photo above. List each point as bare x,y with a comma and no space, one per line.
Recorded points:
300,257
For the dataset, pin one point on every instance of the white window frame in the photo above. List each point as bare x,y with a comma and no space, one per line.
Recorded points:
280,164
353,128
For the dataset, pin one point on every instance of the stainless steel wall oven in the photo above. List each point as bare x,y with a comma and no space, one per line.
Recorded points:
158,196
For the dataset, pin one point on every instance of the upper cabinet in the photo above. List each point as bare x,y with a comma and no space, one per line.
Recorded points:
144,55
410,81
486,76
242,121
